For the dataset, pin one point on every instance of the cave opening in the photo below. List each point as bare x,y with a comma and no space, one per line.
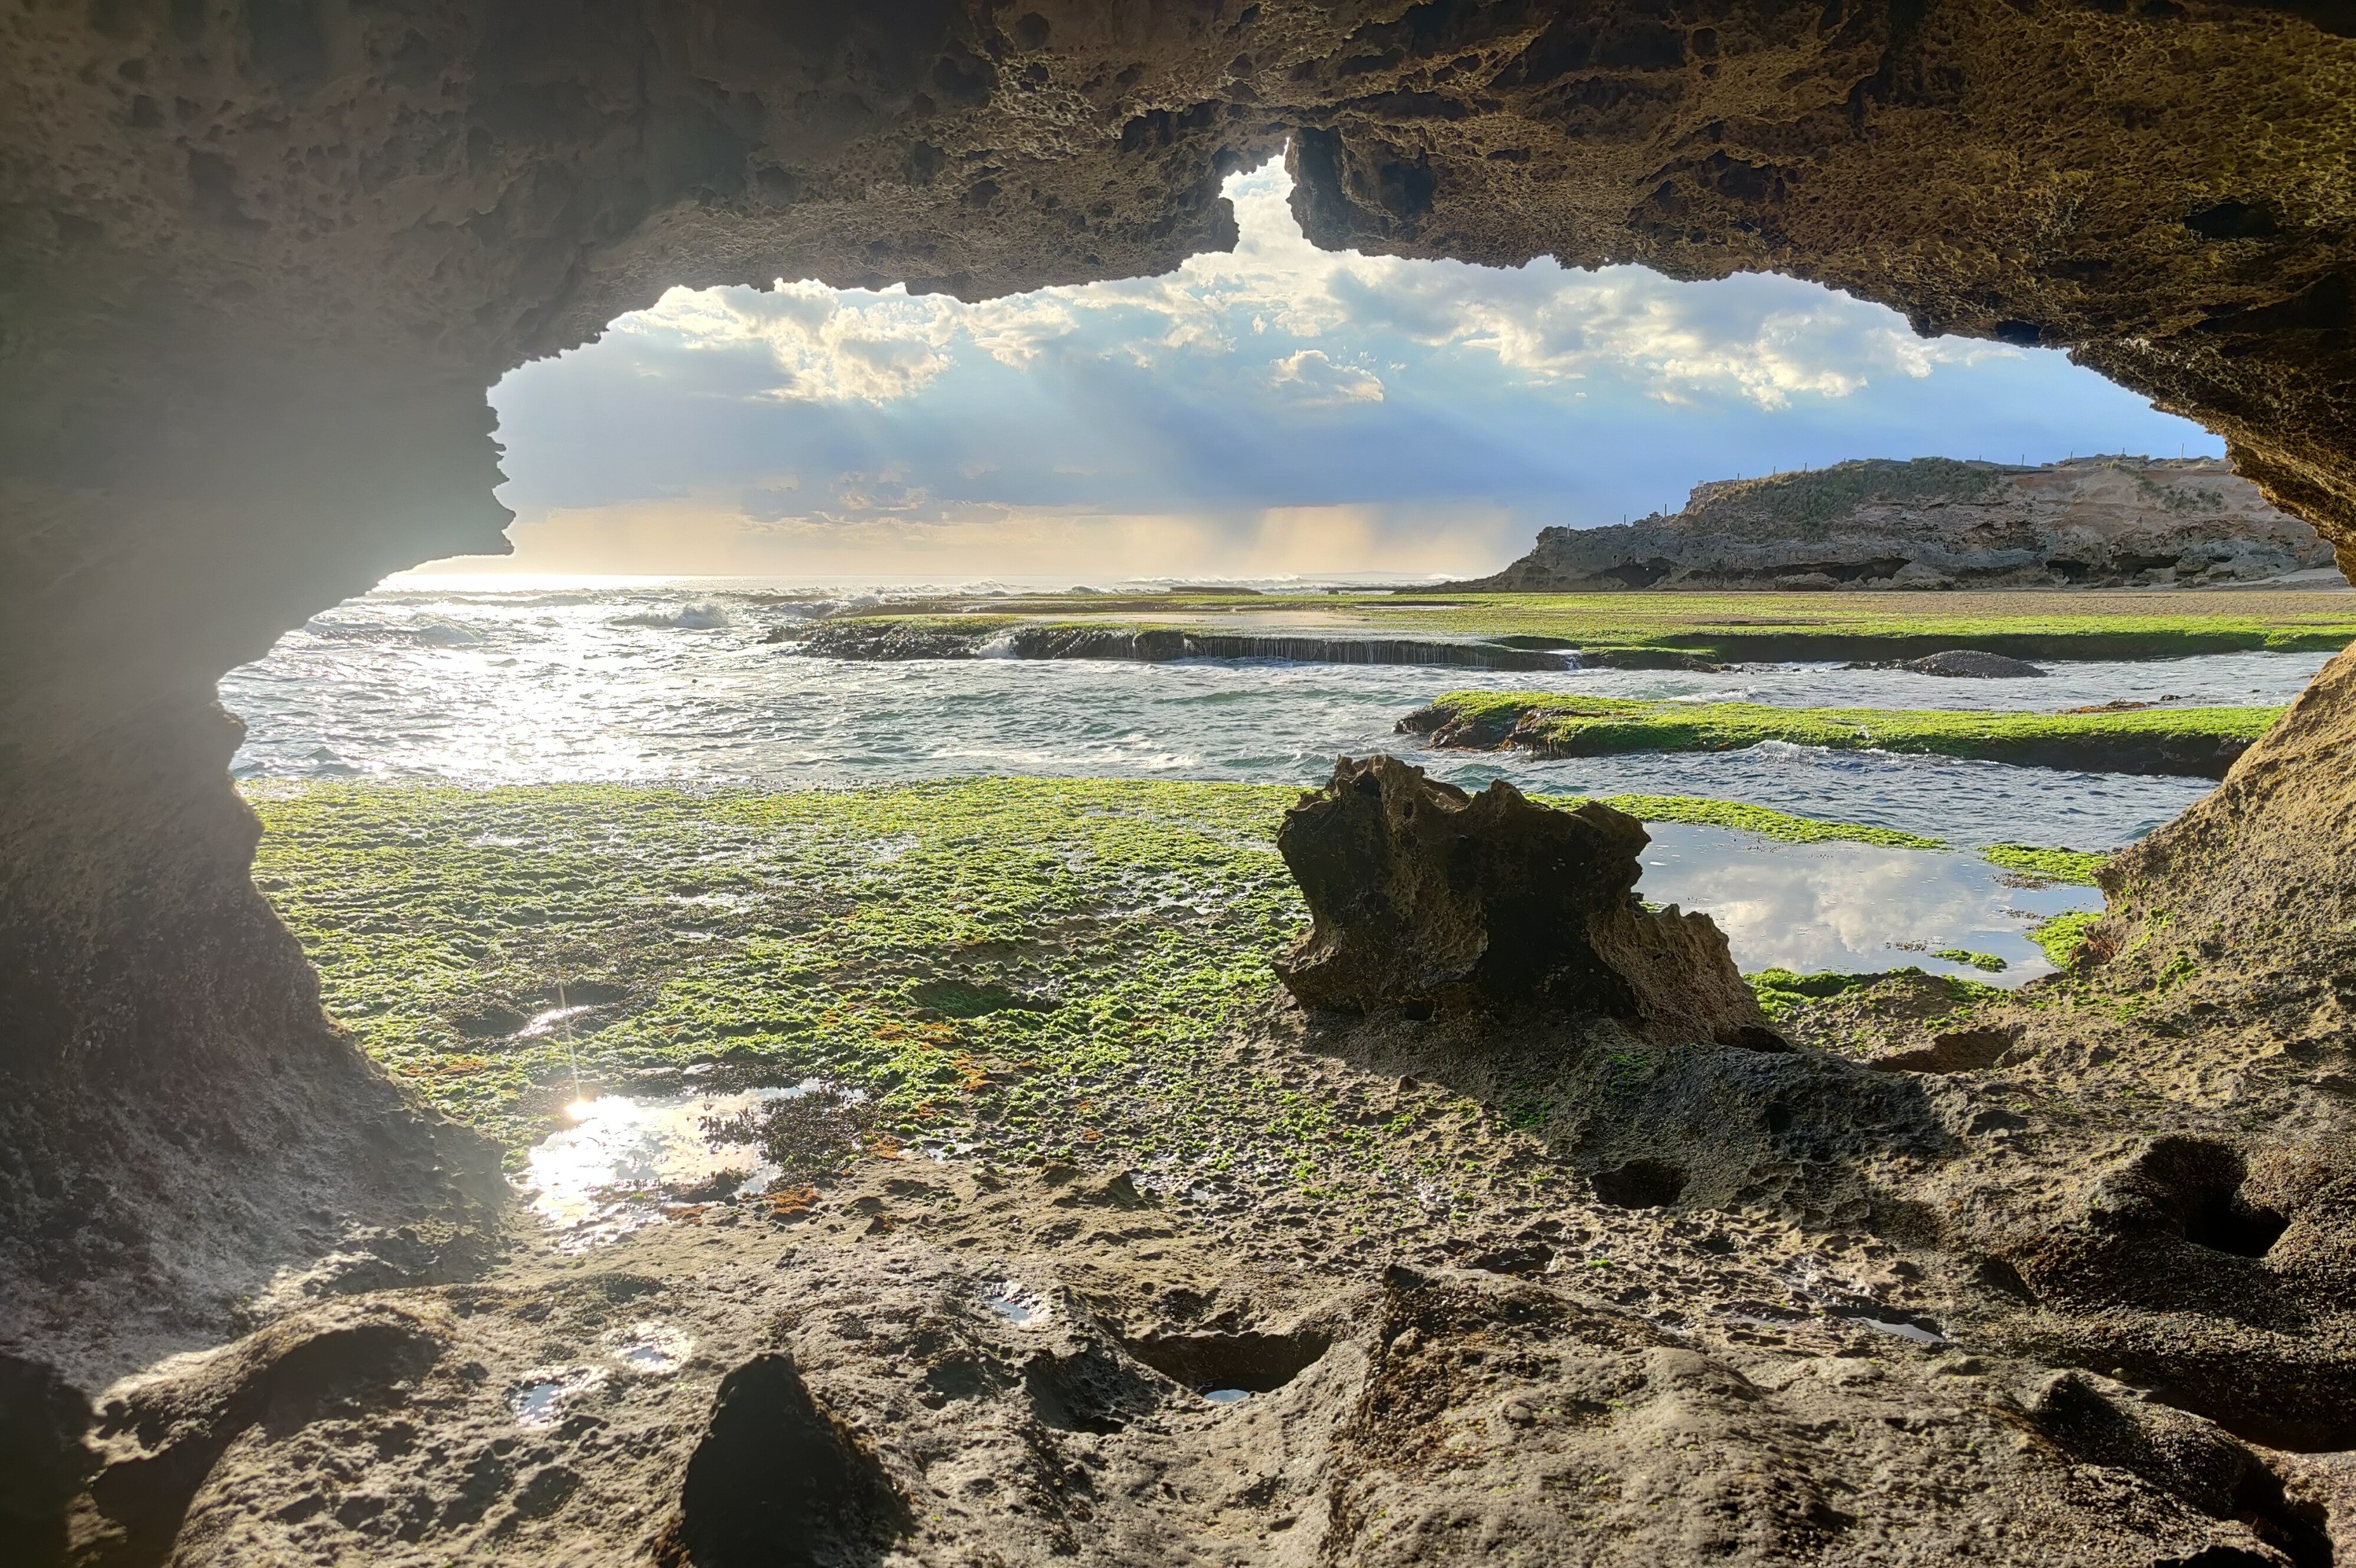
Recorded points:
261,267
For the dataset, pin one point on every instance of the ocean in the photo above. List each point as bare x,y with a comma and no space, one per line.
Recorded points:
476,684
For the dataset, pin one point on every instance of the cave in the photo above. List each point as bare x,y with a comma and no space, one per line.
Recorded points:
262,260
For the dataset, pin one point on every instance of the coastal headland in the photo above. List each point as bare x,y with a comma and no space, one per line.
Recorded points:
1941,523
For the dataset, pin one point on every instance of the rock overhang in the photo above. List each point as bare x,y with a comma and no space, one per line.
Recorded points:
261,263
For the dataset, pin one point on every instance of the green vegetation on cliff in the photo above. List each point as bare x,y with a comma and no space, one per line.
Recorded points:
1799,504
2197,742
2063,934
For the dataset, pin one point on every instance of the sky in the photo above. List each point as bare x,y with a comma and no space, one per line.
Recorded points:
1275,411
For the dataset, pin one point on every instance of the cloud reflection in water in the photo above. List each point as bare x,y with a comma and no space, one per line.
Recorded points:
1844,906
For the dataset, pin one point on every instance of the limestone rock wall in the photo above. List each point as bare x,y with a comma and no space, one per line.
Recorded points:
2094,522
1429,900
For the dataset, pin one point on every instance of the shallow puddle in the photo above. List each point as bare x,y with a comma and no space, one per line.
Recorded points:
650,1350
1011,1303
1853,906
542,1397
1896,1328
554,1018
625,1161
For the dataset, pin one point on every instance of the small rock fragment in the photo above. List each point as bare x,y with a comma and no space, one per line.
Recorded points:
1971,664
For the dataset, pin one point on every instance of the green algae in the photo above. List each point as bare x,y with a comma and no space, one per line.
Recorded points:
1018,969
2074,866
1781,992
2063,934
1669,630
1987,961
2201,741
1041,969
951,948
1765,821
1743,627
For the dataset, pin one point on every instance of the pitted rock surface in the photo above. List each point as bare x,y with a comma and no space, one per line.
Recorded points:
1427,900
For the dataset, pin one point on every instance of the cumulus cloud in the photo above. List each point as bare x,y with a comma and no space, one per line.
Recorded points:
1260,405
1309,379
825,345
1764,340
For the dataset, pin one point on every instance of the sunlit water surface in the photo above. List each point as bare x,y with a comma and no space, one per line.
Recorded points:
672,684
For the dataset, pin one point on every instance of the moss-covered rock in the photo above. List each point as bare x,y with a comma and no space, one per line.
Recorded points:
2199,742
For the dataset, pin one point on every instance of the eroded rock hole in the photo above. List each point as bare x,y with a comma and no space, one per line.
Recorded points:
2188,1459
2298,1529
1640,1184
2202,1182
778,1482
1255,1363
1091,1390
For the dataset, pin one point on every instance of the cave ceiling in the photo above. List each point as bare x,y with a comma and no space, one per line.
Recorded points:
263,258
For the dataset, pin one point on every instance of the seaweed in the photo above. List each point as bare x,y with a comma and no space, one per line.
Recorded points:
2075,866
1025,969
2201,741
1765,821
2063,934
1672,630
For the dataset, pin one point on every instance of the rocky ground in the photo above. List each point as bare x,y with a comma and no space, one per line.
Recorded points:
1916,1273
2090,522
1792,1308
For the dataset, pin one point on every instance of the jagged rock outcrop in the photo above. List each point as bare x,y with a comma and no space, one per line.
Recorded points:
2091,522
1431,901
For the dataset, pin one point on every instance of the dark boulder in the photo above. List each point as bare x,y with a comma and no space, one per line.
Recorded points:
1971,664
1432,901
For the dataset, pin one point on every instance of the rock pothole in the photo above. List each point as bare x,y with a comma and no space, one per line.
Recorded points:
1252,1362
2203,1182
779,1482
2105,1423
1640,1184
2215,1280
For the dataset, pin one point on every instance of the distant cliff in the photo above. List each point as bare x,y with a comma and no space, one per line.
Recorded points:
2092,522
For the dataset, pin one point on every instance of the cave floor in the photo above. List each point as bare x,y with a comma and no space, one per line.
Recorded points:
1119,1256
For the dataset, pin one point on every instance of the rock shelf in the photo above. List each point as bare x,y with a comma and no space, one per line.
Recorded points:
2201,741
